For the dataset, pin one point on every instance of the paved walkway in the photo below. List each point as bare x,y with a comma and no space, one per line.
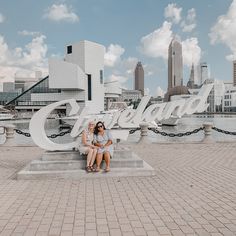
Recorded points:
193,193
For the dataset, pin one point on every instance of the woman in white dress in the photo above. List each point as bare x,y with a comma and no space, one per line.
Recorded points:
87,146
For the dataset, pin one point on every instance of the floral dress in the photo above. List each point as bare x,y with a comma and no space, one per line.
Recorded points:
103,139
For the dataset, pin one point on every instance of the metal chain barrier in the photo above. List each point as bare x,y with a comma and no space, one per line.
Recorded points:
223,131
155,130
132,131
22,133
49,136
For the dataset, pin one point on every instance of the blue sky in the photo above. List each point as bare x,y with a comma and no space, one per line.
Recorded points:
131,30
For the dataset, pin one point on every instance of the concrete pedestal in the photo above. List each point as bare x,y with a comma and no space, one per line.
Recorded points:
70,164
208,133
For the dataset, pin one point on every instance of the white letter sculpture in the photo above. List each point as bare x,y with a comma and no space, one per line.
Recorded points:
128,118
37,123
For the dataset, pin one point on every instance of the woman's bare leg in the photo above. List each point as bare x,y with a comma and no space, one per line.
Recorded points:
107,158
99,160
89,156
93,157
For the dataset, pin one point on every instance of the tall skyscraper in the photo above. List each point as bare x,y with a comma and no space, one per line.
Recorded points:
139,78
204,74
190,83
234,73
175,64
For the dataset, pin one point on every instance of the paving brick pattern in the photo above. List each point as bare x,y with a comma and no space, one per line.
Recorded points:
193,193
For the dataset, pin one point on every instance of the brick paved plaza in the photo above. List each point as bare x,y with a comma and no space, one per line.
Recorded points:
193,193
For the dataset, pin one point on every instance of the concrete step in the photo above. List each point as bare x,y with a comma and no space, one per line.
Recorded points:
26,174
71,165
75,155
38,165
62,155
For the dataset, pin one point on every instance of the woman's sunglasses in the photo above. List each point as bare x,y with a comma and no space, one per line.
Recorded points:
100,126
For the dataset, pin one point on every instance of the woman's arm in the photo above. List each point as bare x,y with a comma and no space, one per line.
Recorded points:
95,142
84,140
109,142
98,144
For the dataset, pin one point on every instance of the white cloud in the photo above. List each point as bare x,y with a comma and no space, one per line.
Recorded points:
160,92
231,57
25,60
149,73
113,54
146,91
156,43
29,33
61,12
173,12
191,51
224,30
3,50
118,78
129,65
189,24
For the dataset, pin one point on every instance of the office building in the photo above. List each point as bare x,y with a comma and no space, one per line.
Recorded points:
24,83
175,64
229,101
139,78
204,73
113,92
190,83
234,73
8,87
130,95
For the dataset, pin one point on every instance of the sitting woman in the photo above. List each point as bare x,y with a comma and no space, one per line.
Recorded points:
103,140
87,146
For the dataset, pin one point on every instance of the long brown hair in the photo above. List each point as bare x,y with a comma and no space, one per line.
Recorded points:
96,127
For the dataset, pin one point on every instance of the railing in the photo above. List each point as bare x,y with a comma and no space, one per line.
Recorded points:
9,131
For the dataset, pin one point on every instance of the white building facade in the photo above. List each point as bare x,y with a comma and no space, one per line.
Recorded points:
130,95
80,75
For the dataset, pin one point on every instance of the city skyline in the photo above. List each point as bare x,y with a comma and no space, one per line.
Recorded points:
29,38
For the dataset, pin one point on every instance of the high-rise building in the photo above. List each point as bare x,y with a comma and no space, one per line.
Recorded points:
139,78
204,74
234,73
190,83
175,64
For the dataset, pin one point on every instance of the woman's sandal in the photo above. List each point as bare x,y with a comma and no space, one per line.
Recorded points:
88,169
97,169
92,169
107,169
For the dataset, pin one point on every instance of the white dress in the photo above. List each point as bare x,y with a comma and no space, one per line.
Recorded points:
83,149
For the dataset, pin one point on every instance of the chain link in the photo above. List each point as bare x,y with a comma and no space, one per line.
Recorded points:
132,131
49,136
223,131
155,130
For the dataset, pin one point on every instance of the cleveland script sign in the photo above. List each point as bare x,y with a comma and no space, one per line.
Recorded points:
128,118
